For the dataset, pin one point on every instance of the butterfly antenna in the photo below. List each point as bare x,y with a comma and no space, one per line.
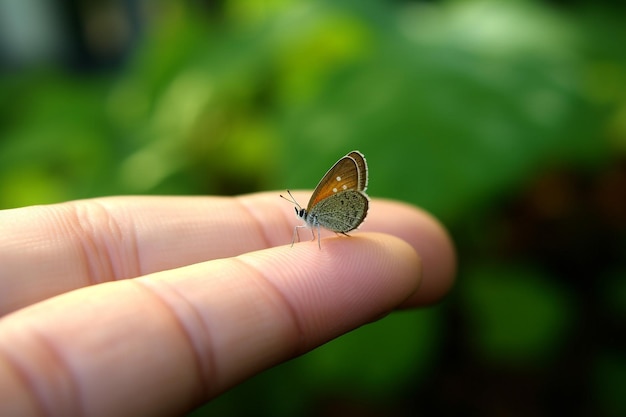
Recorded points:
292,200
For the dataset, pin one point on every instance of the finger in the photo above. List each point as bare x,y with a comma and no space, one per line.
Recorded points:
429,239
186,335
92,241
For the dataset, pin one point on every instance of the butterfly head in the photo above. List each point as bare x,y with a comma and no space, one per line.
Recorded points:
300,211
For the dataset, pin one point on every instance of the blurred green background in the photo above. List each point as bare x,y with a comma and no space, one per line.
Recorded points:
506,119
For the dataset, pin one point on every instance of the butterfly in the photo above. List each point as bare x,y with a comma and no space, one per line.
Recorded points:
339,202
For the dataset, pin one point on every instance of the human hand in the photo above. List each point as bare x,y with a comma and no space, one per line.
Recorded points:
153,305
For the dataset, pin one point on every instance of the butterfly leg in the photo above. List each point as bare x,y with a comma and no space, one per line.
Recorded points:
319,237
295,233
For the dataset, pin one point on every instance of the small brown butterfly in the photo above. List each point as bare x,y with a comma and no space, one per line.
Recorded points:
339,202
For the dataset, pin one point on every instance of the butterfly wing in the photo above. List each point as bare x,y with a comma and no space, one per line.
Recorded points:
341,212
342,176
362,167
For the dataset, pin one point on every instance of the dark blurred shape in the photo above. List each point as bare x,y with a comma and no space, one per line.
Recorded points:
83,35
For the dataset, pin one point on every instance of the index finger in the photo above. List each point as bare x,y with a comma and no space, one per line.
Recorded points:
87,242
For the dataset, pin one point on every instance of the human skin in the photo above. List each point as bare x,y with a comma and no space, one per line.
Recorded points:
154,305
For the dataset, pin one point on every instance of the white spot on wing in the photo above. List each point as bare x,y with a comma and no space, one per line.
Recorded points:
338,178
334,190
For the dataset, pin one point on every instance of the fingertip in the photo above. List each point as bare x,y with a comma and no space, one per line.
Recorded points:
421,230
430,240
348,282
438,253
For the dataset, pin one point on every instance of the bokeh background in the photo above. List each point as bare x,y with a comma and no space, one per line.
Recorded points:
506,119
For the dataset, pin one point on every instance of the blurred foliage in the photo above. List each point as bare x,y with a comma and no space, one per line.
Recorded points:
507,120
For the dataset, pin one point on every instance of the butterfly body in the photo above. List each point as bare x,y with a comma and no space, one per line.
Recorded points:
341,212
339,202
